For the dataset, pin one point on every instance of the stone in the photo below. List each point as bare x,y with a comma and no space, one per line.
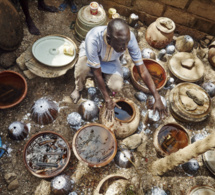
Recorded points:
9,177
133,141
142,149
210,37
196,95
7,60
14,185
187,63
44,188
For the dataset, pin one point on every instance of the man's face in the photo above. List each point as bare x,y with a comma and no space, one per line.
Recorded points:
119,42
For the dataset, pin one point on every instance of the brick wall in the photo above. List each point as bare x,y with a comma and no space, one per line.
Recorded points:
189,15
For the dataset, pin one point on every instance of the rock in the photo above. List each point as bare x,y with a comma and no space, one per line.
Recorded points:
142,147
197,137
44,188
210,37
126,73
7,60
148,53
170,81
209,88
203,44
133,141
161,54
9,177
170,49
207,41
140,96
14,185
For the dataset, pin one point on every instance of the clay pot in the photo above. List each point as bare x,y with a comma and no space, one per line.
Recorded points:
88,110
160,33
126,119
208,159
156,70
13,89
204,189
211,54
18,130
61,185
184,43
94,145
42,148
169,138
185,106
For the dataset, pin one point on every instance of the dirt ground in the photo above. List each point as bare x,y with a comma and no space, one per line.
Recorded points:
176,182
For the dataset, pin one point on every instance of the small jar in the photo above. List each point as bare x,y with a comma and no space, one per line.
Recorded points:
111,11
94,8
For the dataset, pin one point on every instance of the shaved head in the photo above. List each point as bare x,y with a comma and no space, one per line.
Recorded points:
118,34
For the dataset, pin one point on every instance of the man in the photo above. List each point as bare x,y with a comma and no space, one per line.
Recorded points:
41,6
103,48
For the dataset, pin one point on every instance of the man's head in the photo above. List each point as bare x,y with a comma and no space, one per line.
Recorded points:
118,34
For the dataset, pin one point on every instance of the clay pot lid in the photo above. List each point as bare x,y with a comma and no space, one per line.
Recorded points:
165,25
190,102
203,190
45,145
11,26
186,67
90,140
209,160
169,138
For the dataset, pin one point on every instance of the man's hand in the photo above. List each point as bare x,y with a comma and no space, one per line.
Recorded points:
158,105
109,113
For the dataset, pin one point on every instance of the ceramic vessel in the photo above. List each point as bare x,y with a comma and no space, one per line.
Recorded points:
13,89
169,138
126,119
88,110
189,103
90,140
157,72
18,130
203,190
160,33
184,43
211,54
61,185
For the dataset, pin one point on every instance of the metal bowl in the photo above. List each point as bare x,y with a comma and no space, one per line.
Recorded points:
157,72
13,89
46,154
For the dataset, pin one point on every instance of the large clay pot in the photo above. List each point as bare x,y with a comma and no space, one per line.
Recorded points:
157,72
160,33
126,119
86,21
211,54
11,32
189,103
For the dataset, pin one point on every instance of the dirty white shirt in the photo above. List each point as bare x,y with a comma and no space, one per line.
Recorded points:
100,54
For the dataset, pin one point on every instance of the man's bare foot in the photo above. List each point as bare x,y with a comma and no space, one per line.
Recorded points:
32,28
44,7
75,95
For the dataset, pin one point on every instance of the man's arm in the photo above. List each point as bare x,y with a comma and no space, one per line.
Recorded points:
144,74
110,104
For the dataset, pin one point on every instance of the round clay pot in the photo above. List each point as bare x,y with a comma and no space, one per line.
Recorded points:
126,119
188,108
160,33
41,149
203,190
211,54
95,145
13,88
156,70
169,138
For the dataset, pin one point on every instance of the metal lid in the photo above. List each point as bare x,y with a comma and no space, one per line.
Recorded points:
11,32
189,102
186,67
51,51
209,160
165,25
203,190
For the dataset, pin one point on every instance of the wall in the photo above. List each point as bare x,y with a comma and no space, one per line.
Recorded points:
187,14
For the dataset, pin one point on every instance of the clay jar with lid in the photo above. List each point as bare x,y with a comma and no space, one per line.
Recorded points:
189,103
211,54
160,33
126,120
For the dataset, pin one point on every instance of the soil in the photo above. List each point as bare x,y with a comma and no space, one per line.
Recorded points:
175,182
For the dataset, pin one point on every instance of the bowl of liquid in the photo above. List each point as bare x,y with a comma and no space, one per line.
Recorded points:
157,72
95,145
169,138
46,154
13,89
